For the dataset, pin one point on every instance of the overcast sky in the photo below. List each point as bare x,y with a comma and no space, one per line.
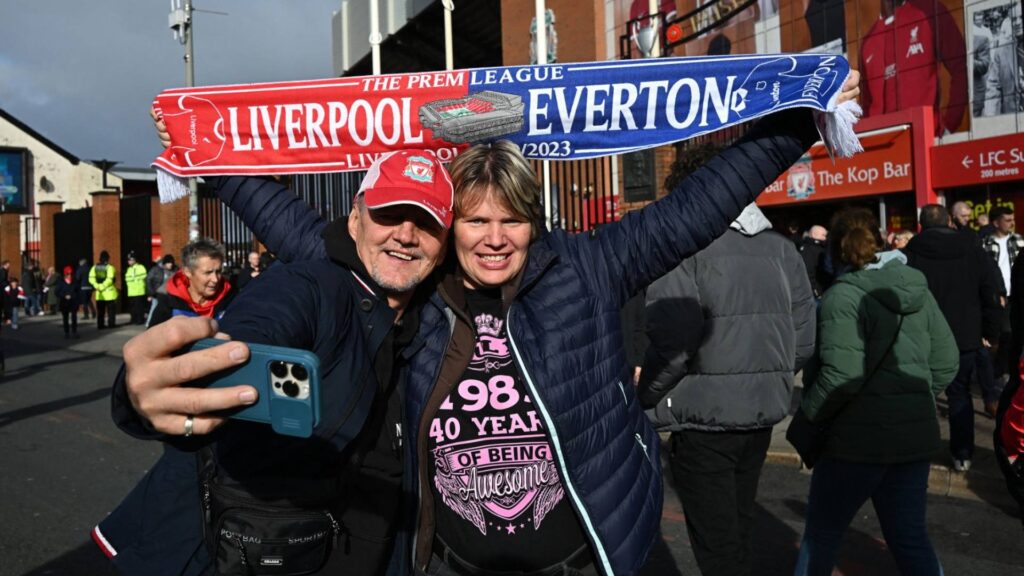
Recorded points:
84,72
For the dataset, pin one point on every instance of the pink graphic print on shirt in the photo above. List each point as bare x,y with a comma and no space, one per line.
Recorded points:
493,461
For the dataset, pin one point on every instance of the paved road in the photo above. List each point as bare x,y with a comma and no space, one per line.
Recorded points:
63,466
971,537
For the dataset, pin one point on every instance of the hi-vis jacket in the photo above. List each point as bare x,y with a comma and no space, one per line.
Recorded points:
102,277
135,280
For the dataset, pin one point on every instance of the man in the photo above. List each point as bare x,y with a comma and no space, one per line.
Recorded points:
250,271
965,285
961,213
985,227
199,288
30,283
1004,82
812,250
1004,244
356,312
85,288
102,279
724,381
135,286
981,60
156,282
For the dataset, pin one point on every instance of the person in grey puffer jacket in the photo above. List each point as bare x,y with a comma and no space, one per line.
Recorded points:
728,329
156,282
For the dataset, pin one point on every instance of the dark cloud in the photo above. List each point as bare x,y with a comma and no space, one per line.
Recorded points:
84,73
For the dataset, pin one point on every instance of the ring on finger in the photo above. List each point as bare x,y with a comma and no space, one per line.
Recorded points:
189,422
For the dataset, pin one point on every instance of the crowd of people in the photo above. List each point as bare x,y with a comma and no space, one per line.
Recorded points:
94,291
479,414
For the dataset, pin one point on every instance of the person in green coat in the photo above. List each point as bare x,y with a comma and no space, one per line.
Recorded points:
885,352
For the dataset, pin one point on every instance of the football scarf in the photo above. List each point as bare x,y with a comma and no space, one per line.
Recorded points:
554,112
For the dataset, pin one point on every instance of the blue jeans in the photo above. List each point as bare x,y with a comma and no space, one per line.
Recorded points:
899,494
32,307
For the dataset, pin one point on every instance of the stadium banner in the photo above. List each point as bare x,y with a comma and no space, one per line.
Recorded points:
553,112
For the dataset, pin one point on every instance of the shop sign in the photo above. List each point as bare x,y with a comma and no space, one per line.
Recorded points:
982,161
883,167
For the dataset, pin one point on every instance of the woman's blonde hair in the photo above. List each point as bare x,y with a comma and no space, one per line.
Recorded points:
855,237
501,170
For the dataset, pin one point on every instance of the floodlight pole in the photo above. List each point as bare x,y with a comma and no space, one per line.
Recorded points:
449,56
375,36
542,58
190,81
652,9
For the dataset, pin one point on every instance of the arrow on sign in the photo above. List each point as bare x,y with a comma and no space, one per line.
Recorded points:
967,161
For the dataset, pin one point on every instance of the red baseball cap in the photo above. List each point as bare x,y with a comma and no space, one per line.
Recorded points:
413,177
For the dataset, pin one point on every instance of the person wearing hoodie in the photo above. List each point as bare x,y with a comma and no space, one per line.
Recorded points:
102,278
884,353
748,291
965,283
199,288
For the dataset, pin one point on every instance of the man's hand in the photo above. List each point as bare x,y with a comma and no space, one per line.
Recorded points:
850,91
161,128
154,378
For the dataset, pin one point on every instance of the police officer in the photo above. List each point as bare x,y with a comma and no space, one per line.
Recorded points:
102,277
135,284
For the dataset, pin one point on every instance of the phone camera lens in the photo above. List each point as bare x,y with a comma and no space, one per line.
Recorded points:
299,372
291,389
279,369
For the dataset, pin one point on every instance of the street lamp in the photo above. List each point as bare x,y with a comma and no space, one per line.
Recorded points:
180,23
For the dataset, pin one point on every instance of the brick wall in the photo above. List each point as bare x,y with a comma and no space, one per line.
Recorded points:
10,242
47,244
106,228
579,25
173,227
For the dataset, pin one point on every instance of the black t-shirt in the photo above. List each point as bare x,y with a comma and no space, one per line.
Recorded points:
500,503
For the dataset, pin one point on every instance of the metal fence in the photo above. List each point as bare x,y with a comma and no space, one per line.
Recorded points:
329,194
32,237
582,193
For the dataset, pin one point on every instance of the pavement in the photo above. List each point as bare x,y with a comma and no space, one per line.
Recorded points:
983,482
48,331
65,466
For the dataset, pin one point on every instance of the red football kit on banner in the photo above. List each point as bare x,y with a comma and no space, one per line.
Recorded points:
899,60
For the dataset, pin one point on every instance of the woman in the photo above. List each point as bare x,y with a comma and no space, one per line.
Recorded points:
66,292
49,284
885,353
522,377
525,447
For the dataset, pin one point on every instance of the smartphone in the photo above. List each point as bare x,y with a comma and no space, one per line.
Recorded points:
288,381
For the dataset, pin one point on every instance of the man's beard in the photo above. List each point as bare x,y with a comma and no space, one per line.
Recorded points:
393,288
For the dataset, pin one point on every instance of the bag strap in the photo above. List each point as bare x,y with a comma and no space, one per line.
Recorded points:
888,351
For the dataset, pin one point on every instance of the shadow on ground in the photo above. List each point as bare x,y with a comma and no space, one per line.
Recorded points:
85,560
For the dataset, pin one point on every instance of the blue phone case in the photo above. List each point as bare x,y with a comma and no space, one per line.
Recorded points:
289,399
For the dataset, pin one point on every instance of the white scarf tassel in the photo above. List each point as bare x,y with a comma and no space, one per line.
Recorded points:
839,134
171,187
